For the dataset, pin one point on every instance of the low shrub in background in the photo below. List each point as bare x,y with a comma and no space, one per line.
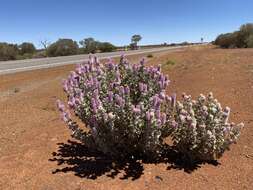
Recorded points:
62,47
150,55
238,39
27,48
8,51
127,112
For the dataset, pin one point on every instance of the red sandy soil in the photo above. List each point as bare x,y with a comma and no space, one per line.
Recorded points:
32,158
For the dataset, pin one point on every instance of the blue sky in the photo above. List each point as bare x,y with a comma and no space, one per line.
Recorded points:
157,21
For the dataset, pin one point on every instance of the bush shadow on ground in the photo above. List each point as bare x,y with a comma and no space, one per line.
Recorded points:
90,164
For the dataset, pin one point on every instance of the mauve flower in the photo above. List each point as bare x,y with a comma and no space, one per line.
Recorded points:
145,88
161,85
110,66
94,105
136,110
81,97
148,116
158,113
162,95
71,102
163,118
141,86
95,94
168,98
152,114
105,116
142,62
156,102
174,124
135,67
122,90
65,85
79,70
73,74
159,68
110,96
173,100
66,116
127,90
60,106
77,101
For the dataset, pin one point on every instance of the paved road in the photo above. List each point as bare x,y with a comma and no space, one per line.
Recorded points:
7,67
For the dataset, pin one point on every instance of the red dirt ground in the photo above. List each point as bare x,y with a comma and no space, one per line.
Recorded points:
31,130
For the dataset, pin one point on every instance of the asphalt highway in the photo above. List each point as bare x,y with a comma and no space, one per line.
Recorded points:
7,67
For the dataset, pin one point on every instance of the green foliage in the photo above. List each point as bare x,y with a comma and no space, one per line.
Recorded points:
8,51
89,44
27,48
135,39
106,47
62,47
250,41
40,54
168,64
237,39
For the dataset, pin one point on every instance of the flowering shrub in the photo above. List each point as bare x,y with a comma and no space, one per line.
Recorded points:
124,105
127,111
202,130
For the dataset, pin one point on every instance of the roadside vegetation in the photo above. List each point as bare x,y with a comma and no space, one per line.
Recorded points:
243,38
64,47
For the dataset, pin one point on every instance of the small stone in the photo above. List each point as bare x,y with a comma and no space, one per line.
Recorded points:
158,178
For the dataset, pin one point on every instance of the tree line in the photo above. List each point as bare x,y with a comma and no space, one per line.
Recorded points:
61,47
242,38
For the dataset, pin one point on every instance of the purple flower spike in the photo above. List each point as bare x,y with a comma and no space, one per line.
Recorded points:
71,102
60,106
127,90
135,68
122,90
158,114
174,124
148,117
66,117
142,62
136,110
65,86
145,88
161,85
94,105
163,118
173,100
110,96
141,87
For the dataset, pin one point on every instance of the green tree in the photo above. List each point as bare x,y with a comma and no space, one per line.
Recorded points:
89,45
228,40
106,47
135,39
250,41
62,47
8,51
27,48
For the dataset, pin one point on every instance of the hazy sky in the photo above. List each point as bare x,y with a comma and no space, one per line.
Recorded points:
157,21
